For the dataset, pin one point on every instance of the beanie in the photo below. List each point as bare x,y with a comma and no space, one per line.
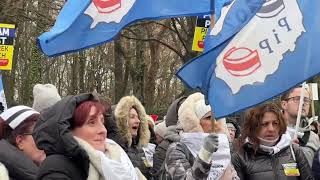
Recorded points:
44,96
161,129
201,109
16,115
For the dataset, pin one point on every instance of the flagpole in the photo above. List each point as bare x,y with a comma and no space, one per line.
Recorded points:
299,110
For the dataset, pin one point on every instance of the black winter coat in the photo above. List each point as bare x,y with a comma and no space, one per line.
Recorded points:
316,166
263,166
65,158
19,166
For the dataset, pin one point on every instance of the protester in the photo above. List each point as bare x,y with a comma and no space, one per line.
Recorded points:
160,130
196,155
73,135
233,128
264,148
307,139
18,152
133,126
44,96
171,135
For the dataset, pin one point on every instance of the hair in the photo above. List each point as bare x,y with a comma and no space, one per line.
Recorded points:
6,132
253,121
82,111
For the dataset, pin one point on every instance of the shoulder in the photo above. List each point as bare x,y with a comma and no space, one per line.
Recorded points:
61,166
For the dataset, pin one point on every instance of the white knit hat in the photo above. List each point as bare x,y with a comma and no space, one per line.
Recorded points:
161,129
16,115
44,96
201,109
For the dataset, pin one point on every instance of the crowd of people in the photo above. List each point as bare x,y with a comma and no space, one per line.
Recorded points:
84,137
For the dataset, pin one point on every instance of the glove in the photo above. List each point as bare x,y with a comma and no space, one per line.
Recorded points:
210,145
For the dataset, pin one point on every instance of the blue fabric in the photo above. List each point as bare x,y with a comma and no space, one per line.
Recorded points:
297,64
74,30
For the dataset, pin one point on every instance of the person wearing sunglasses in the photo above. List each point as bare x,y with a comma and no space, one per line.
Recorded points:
307,139
18,151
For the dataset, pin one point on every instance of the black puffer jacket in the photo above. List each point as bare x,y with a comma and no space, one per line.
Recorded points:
65,158
19,166
263,166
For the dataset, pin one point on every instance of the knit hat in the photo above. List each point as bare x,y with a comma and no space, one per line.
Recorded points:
201,109
44,96
16,115
161,129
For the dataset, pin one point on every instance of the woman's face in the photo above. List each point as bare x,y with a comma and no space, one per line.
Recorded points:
26,144
134,122
93,130
269,128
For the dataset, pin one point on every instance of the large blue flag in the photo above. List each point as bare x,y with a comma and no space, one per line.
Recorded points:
86,23
255,52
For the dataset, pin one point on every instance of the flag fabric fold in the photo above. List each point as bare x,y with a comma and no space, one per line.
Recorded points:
85,23
256,54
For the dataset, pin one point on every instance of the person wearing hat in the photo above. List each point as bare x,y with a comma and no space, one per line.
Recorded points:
18,151
233,128
200,154
44,96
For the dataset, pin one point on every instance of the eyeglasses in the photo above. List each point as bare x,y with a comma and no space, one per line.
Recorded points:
296,99
25,134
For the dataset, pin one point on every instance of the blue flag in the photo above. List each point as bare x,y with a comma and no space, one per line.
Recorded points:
252,57
85,23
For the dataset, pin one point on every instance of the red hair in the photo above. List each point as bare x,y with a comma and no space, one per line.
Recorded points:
82,111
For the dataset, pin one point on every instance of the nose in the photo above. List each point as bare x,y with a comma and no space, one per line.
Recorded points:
102,129
270,127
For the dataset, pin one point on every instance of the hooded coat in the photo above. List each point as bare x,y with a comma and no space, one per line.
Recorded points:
183,163
18,165
65,157
133,146
264,165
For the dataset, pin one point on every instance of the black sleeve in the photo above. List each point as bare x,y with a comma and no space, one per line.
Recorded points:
61,168
238,164
303,165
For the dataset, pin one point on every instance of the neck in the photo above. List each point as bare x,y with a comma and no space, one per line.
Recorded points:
268,142
291,121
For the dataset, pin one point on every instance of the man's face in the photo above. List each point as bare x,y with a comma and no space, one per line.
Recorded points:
291,104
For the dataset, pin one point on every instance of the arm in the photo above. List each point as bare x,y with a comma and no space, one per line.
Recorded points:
237,164
311,147
303,165
178,166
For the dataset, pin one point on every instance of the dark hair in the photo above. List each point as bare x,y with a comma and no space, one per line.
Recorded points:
82,111
6,132
253,121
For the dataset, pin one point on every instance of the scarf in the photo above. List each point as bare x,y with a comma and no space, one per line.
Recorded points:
285,141
114,164
221,158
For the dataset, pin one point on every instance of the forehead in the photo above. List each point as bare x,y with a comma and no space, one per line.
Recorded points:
297,91
269,116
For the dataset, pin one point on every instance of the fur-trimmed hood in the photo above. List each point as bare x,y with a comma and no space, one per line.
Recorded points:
188,120
122,115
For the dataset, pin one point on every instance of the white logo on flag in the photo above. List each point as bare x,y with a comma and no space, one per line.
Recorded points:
108,10
256,51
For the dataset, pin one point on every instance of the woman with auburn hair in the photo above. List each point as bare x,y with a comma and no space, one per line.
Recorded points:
264,149
73,135
18,151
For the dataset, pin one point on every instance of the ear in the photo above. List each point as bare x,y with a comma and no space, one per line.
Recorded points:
19,142
284,105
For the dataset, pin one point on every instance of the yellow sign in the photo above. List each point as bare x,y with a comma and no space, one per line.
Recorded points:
198,38
7,34
200,32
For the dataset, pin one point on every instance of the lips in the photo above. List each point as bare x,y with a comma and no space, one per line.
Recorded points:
107,6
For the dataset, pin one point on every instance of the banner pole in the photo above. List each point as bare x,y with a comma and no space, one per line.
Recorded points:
299,110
